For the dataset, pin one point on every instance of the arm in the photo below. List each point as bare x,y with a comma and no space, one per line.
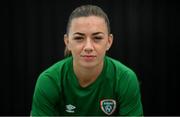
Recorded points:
46,96
129,95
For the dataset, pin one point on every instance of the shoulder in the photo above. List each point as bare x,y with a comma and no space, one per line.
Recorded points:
124,76
48,83
48,89
57,68
119,68
53,74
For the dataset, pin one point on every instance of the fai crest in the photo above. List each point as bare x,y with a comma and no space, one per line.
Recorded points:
108,106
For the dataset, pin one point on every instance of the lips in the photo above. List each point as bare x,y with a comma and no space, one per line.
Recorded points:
88,57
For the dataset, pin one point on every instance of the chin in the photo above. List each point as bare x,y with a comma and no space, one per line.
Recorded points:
88,64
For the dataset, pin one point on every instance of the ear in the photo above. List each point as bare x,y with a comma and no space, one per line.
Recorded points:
110,41
66,41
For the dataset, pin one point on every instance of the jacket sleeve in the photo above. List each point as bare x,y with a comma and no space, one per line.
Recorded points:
129,95
46,96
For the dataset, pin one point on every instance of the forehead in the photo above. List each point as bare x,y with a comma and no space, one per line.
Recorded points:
90,23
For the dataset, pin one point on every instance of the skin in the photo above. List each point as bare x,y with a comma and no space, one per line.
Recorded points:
88,40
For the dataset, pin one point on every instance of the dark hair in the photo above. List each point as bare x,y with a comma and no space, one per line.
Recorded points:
85,11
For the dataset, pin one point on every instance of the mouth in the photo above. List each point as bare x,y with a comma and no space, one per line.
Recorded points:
88,57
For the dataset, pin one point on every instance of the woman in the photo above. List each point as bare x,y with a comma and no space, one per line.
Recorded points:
87,82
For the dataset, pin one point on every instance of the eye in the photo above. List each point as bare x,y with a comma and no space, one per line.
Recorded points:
78,38
97,38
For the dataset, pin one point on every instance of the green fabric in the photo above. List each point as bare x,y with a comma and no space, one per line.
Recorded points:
57,91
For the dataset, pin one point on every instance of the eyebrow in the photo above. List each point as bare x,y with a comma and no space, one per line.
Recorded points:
82,34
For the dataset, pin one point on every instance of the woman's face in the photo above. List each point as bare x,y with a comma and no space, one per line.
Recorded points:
88,40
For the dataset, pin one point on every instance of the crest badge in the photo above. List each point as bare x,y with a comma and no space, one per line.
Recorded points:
108,106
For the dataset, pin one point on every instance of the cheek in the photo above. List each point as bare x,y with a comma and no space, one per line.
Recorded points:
101,50
76,48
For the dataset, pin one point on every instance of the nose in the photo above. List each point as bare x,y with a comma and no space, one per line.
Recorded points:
88,47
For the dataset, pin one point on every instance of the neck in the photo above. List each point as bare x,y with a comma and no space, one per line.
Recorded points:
86,76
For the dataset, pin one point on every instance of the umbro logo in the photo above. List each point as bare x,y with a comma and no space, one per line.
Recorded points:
70,108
